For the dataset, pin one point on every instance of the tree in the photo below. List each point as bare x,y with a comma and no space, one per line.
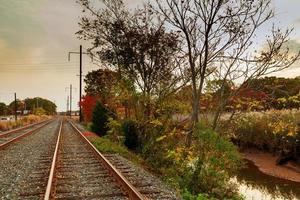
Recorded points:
32,103
20,106
101,83
88,103
38,102
3,109
218,42
100,119
138,45
277,87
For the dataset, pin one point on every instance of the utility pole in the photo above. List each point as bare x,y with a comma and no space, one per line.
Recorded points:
80,77
67,105
80,82
16,109
70,100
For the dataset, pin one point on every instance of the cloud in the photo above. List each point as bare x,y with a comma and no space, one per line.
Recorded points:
18,21
294,46
19,28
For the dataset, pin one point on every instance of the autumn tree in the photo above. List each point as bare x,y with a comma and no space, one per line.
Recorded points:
101,83
137,45
219,37
277,87
88,103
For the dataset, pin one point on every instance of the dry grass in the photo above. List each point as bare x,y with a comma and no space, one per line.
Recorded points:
26,120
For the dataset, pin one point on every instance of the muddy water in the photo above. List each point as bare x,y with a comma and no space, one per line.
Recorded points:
255,185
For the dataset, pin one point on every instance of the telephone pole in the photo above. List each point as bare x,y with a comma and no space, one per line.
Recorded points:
16,109
70,100
67,105
80,77
80,82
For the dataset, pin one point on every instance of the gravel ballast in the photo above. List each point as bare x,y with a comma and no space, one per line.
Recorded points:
148,184
80,174
25,165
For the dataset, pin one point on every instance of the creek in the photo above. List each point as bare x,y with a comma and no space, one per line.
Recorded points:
255,185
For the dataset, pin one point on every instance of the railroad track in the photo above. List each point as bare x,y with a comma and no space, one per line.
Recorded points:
67,166
25,164
79,171
12,136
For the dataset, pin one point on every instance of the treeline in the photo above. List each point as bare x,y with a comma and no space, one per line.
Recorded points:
37,106
254,95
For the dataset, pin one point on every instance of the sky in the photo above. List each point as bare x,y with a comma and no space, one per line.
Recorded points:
36,36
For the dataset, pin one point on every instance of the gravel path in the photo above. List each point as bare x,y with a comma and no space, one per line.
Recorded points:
79,173
25,165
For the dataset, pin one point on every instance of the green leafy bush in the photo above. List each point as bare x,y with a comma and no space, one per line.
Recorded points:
209,172
100,119
115,133
201,171
188,196
129,128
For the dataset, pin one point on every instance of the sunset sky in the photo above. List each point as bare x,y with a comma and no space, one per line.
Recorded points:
36,36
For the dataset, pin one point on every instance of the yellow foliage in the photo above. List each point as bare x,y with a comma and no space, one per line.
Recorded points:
156,122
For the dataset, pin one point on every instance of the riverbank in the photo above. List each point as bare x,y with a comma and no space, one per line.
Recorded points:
266,163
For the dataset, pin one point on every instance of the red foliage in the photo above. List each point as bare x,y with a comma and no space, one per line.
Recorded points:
247,95
252,94
87,103
89,134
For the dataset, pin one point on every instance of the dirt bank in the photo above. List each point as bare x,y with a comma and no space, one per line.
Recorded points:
266,163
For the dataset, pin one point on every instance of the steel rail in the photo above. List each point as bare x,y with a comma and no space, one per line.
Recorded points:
132,192
47,195
20,129
3,145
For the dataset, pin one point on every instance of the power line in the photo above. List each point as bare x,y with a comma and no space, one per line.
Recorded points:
53,68
42,63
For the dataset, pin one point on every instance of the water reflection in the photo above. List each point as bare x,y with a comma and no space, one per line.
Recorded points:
258,186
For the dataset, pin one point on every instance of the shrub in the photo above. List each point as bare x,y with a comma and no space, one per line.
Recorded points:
30,119
188,196
201,171
115,131
3,126
129,128
159,145
209,172
39,111
100,119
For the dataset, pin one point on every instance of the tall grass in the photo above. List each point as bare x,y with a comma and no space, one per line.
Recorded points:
274,131
26,120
